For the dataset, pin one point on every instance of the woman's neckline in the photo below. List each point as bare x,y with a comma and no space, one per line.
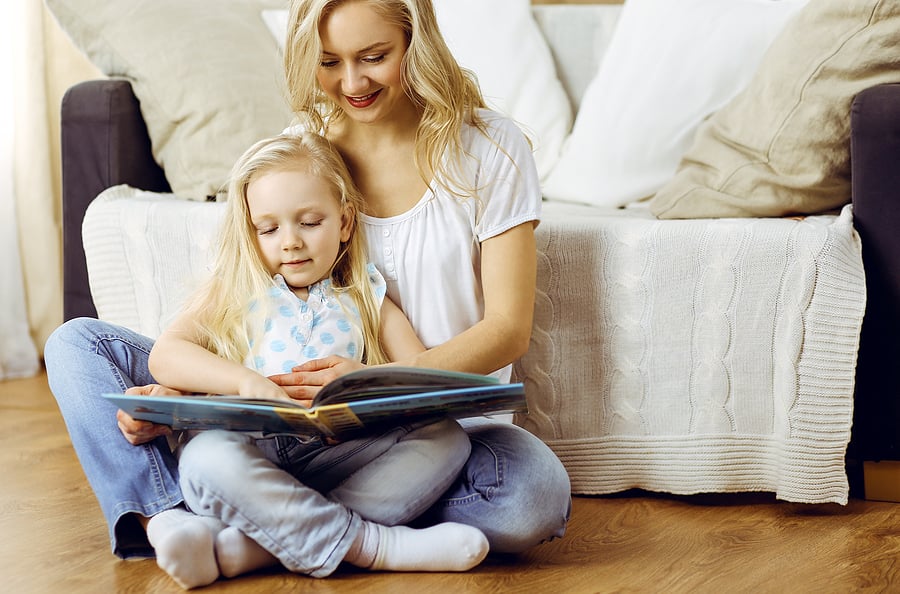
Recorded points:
376,220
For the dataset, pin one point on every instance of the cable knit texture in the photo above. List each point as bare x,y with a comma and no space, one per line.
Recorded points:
696,356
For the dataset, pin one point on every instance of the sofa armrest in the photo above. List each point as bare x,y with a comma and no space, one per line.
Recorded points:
875,155
104,143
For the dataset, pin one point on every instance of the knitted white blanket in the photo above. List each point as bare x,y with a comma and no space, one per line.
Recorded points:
676,356
696,356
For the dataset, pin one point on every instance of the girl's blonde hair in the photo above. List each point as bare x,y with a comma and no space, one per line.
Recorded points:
447,94
221,308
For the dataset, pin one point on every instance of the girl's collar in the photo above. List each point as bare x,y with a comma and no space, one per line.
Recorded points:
319,289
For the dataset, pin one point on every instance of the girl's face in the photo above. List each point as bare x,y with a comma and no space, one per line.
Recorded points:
299,225
360,67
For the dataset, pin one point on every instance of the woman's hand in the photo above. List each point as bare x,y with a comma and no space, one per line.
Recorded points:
305,381
140,432
254,385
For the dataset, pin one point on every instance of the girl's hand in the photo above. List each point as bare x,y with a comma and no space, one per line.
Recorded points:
140,432
305,381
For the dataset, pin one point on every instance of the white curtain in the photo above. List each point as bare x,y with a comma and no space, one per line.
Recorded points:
18,355
37,64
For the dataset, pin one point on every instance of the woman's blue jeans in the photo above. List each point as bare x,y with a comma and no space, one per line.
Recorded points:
512,486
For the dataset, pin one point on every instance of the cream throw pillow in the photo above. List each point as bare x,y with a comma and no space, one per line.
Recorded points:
207,74
783,145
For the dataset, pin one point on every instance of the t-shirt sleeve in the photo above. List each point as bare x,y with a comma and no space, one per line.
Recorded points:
509,191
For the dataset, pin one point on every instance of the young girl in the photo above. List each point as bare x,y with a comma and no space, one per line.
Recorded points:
292,217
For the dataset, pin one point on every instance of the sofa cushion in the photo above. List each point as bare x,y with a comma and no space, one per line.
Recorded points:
209,78
669,65
504,47
783,145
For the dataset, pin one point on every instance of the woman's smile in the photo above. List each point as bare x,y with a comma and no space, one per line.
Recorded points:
363,101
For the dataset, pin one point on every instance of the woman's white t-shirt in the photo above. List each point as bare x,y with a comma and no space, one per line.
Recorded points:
430,255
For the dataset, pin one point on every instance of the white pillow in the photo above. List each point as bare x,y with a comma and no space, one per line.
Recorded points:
500,41
670,64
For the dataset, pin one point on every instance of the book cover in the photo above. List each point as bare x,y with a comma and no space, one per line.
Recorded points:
357,402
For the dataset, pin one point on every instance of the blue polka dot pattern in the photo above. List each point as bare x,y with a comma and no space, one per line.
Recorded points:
326,323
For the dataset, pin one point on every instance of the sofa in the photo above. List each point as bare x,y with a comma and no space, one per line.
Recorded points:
688,337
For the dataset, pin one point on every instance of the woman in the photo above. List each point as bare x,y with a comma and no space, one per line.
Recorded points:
451,201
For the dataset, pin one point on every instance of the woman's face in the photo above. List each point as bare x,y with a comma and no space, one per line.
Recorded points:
360,66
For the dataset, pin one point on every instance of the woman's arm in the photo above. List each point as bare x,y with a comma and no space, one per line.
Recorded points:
178,361
508,278
396,333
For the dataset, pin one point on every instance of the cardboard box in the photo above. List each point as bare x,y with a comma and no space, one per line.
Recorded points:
882,480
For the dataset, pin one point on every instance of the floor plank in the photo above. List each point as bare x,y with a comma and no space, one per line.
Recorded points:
54,538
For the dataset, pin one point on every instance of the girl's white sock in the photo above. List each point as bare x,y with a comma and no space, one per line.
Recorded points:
442,547
185,546
237,553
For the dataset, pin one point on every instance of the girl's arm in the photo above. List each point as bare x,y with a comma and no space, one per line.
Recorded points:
178,361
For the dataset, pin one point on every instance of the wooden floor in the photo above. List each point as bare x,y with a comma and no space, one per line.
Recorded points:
52,537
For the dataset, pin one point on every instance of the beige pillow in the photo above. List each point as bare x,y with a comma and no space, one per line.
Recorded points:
782,146
208,76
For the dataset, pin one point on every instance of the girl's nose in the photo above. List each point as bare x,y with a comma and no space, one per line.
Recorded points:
291,239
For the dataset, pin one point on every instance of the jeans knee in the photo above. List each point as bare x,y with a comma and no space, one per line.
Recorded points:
71,333
204,462
525,486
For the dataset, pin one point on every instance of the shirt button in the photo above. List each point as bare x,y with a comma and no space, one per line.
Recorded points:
386,232
388,251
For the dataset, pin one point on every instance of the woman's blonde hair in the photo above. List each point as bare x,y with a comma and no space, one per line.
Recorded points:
447,94
221,308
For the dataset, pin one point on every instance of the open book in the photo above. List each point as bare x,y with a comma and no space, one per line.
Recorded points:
357,402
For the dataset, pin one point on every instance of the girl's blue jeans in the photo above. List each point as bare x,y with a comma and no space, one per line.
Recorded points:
512,486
